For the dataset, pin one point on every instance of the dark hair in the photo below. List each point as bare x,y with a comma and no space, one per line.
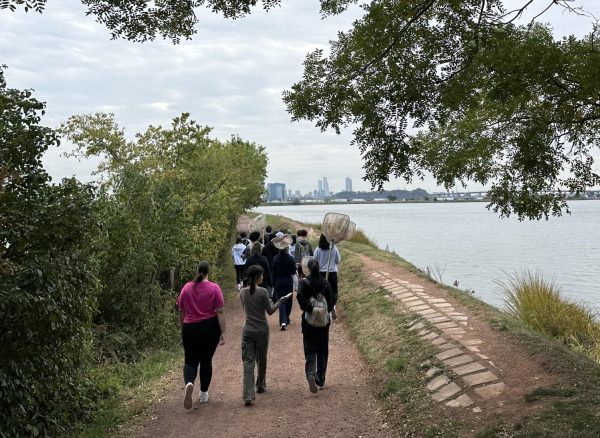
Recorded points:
252,274
314,277
293,239
243,235
254,236
256,248
202,271
323,242
268,228
302,233
238,240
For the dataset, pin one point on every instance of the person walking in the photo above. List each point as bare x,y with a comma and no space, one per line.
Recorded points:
201,311
284,268
256,258
315,298
255,334
237,252
269,251
303,249
323,257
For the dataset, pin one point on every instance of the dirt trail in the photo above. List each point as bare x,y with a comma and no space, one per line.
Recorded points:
287,409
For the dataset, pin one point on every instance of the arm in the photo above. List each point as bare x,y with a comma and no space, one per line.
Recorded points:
222,325
338,257
181,316
270,308
303,300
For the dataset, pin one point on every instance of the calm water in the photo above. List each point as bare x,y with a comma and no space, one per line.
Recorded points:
466,242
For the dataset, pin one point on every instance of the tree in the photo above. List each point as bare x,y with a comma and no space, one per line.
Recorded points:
459,90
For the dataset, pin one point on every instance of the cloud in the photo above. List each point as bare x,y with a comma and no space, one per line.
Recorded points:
230,77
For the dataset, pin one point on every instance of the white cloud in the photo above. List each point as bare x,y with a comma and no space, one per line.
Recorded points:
230,77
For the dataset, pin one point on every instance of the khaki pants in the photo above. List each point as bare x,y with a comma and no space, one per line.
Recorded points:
254,351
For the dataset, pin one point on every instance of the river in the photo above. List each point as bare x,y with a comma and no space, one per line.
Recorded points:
467,243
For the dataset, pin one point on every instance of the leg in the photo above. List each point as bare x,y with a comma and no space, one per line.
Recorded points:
262,346
248,360
288,309
208,346
192,358
322,356
333,281
310,356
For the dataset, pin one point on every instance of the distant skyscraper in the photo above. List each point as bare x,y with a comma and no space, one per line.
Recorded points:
325,187
276,192
348,184
320,187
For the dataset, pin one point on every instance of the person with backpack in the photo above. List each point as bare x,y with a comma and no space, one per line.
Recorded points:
202,318
315,298
255,334
302,249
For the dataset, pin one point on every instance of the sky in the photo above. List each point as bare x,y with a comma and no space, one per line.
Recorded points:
230,76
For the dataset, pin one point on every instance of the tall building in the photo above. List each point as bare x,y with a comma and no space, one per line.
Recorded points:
325,187
348,184
320,187
276,192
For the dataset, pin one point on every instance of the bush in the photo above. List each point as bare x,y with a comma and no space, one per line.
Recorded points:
537,302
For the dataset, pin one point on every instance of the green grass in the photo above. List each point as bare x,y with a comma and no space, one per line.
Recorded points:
537,302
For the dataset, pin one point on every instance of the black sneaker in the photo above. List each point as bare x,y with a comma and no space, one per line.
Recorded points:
248,402
312,385
260,390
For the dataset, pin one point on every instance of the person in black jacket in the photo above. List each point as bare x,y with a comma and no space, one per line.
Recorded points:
315,339
257,259
269,251
284,268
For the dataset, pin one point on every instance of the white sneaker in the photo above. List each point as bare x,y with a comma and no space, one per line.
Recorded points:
239,286
189,390
203,397
283,326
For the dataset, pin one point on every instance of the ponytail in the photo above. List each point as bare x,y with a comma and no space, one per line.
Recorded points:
314,277
202,271
253,273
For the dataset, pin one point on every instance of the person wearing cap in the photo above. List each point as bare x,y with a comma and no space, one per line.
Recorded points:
284,268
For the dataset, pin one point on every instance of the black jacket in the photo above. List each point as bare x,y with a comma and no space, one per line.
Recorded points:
263,263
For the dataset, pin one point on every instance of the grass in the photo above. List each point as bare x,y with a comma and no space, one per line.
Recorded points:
536,302
569,408
128,389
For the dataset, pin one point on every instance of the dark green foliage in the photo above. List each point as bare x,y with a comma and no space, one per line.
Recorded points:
457,89
47,278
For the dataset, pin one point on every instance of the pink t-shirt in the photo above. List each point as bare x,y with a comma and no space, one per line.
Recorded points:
199,301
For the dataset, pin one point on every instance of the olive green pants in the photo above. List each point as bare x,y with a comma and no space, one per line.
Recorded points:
254,352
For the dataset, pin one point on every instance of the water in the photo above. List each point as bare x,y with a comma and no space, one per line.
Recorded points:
468,243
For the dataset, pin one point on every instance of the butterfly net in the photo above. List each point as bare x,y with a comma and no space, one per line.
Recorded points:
335,226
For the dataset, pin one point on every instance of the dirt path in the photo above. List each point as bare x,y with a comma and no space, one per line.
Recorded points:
478,372
343,409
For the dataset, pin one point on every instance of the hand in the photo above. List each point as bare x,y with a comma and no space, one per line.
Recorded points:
288,296
222,340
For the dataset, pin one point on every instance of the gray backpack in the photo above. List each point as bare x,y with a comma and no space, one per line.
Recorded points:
319,317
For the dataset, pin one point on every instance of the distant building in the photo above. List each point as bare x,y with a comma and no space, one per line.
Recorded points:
276,192
325,187
348,184
319,188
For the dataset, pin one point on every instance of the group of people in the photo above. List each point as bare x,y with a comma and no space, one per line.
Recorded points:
268,272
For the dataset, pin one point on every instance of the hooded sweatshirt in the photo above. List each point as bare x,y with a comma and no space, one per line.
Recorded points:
236,253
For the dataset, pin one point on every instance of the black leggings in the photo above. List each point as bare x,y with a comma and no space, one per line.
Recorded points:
239,273
333,282
200,340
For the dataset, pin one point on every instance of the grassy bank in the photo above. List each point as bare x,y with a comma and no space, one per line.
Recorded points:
397,356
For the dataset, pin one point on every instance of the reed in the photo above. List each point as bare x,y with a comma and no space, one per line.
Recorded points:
537,302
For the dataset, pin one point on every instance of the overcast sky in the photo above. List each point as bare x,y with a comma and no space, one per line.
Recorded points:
230,76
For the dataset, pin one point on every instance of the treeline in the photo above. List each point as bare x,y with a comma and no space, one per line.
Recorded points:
90,272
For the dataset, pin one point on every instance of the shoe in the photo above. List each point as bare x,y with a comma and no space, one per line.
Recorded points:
203,397
319,384
189,390
260,390
283,326
311,384
248,402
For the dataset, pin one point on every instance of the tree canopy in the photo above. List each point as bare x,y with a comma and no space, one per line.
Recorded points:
458,89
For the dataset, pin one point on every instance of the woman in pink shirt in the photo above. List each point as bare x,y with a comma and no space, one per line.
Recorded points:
201,307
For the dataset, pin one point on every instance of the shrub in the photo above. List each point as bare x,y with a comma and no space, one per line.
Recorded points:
537,302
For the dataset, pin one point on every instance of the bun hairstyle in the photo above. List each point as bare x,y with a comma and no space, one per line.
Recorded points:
202,271
253,273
